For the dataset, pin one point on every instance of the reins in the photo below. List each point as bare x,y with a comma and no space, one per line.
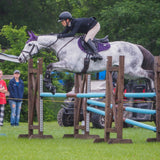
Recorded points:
64,46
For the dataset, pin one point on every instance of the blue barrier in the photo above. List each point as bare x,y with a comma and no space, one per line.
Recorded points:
142,125
95,95
130,109
90,95
94,110
96,103
140,95
79,95
139,110
2,134
48,94
129,121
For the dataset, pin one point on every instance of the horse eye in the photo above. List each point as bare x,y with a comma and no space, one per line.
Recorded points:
30,44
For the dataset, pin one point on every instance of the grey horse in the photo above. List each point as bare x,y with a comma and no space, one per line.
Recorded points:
139,62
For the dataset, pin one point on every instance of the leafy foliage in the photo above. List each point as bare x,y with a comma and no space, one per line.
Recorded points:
17,38
135,21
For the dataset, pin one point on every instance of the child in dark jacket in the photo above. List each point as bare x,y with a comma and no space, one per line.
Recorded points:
16,90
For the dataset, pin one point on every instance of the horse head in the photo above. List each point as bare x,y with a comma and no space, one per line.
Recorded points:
36,43
31,47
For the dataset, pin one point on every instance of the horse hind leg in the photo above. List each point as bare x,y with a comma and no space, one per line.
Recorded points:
151,78
58,66
149,74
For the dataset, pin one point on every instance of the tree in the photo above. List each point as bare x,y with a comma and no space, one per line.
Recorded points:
17,38
133,21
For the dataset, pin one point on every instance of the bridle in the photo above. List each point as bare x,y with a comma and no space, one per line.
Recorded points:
29,52
33,46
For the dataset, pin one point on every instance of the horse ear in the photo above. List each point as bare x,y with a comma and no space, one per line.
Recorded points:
33,35
29,33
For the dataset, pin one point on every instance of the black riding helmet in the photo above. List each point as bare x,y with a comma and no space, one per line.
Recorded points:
65,15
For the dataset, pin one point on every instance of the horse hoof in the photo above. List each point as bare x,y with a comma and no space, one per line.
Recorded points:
46,80
47,75
100,58
94,59
53,90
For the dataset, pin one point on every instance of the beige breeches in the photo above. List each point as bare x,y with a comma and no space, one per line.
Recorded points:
92,33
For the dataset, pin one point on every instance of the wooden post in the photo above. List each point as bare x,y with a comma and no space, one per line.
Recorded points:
117,110
80,103
157,88
118,114
34,101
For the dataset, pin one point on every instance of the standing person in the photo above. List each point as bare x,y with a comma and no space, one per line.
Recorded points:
3,90
89,26
16,90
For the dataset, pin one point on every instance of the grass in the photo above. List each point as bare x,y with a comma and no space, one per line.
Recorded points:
12,148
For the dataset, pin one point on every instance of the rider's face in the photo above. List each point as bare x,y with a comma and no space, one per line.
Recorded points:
65,22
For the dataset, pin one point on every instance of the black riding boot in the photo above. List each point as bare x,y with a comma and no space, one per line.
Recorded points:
96,55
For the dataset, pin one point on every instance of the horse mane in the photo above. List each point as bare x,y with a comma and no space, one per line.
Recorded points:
49,34
55,34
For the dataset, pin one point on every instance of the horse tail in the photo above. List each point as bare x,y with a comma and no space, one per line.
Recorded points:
148,59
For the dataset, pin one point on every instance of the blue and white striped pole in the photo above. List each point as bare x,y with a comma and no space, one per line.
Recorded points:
129,109
129,121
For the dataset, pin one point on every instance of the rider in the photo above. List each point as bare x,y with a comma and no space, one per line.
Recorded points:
89,26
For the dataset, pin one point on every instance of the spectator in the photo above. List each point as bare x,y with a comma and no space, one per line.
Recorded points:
3,90
16,89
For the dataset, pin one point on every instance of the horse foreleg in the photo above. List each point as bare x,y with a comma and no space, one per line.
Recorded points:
48,82
58,66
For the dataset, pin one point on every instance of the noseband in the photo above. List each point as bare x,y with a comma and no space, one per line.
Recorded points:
29,52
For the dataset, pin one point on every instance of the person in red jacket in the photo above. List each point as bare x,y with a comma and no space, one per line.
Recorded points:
3,90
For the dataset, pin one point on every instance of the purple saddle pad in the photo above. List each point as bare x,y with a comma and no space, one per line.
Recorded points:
100,46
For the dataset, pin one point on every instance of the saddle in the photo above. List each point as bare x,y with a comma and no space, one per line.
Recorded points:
102,40
101,45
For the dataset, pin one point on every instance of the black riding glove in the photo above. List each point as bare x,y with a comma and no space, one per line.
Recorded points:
60,35
50,66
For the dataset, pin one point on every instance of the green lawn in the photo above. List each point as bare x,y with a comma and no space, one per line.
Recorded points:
12,148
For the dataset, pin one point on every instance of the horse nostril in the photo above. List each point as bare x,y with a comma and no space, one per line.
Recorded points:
20,59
